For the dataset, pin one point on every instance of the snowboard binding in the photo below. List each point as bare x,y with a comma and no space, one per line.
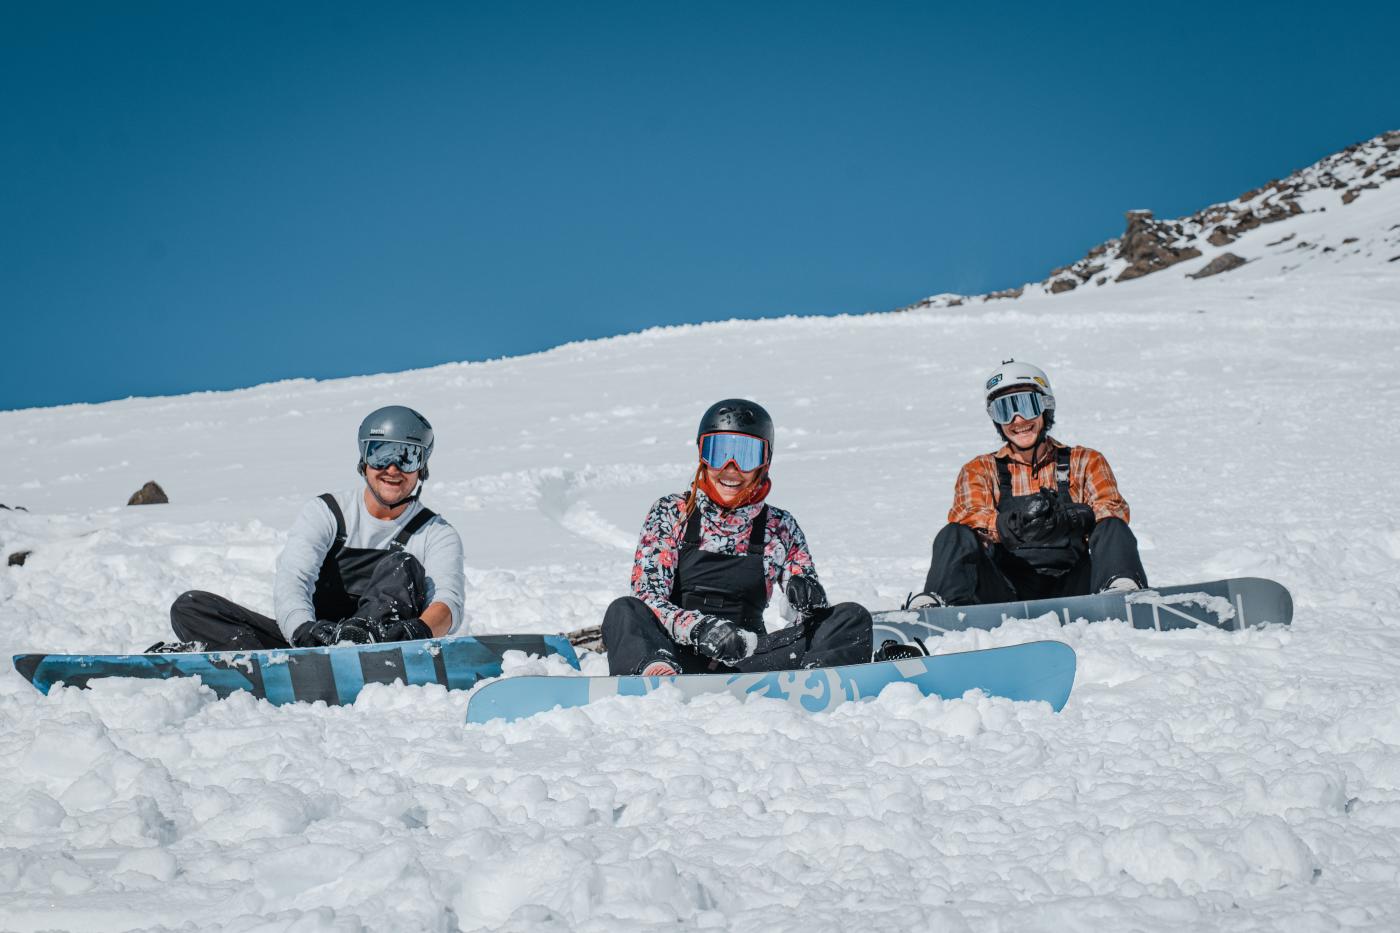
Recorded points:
891,650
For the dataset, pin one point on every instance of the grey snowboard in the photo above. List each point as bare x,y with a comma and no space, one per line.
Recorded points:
1234,604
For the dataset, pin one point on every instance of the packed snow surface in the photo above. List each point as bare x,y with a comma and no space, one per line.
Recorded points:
1195,780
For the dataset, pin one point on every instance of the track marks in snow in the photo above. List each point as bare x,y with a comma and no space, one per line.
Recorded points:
559,499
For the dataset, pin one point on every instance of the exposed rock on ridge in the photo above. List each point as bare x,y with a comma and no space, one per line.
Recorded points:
1148,245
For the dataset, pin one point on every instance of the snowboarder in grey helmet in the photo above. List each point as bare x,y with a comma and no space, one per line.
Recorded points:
399,435
366,564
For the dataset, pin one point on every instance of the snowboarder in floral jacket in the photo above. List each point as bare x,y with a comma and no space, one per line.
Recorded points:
708,562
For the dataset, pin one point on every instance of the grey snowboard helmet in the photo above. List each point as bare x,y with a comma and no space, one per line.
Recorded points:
738,415
399,424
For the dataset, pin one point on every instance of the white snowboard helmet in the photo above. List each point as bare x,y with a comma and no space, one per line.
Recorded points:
1013,375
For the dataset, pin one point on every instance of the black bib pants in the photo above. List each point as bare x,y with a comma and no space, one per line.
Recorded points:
732,587
965,572
368,583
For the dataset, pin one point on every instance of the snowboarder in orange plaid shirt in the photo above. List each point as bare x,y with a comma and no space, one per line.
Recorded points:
1034,520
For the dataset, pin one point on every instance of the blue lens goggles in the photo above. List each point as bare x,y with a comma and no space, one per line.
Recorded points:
1005,408
747,452
381,455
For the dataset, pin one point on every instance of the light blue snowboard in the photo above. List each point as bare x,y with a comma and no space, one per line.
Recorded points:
1042,670
288,675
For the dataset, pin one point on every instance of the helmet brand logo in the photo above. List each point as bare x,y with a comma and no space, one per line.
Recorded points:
994,380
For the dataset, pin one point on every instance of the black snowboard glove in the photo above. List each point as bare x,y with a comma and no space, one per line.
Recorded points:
1034,521
1079,519
804,594
399,630
320,634
722,640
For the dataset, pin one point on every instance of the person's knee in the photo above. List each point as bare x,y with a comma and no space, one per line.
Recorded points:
1112,532
1112,526
844,637
187,601
185,610
845,621
849,614
622,618
956,535
1114,550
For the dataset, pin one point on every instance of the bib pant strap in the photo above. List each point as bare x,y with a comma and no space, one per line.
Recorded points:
339,516
1061,475
424,516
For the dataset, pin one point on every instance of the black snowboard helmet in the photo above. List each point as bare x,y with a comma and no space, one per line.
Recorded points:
740,416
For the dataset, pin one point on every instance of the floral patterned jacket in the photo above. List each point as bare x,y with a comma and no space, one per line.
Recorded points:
722,531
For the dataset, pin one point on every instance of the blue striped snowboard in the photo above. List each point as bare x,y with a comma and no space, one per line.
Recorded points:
1231,605
290,675
1042,670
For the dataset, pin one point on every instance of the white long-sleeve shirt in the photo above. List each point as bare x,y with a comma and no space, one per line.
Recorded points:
437,546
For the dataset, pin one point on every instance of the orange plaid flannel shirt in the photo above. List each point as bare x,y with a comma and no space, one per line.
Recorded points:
975,495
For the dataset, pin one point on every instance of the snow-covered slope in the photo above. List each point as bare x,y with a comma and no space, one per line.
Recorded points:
1199,781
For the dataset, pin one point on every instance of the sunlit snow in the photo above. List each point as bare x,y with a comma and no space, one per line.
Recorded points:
1195,780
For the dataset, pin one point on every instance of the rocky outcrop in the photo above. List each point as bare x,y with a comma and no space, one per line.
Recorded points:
1222,263
18,558
1149,245
149,494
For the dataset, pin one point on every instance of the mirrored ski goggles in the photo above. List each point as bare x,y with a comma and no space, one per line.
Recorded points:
1005,408
380,455
747,452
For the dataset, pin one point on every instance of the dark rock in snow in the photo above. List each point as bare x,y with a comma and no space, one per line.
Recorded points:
18,558
1222,263
1148,246
149,494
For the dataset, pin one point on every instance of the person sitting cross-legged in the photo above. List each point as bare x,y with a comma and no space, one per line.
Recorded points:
1034,520
708,562
372,564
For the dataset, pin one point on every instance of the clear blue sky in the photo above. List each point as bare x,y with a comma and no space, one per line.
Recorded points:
202,195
